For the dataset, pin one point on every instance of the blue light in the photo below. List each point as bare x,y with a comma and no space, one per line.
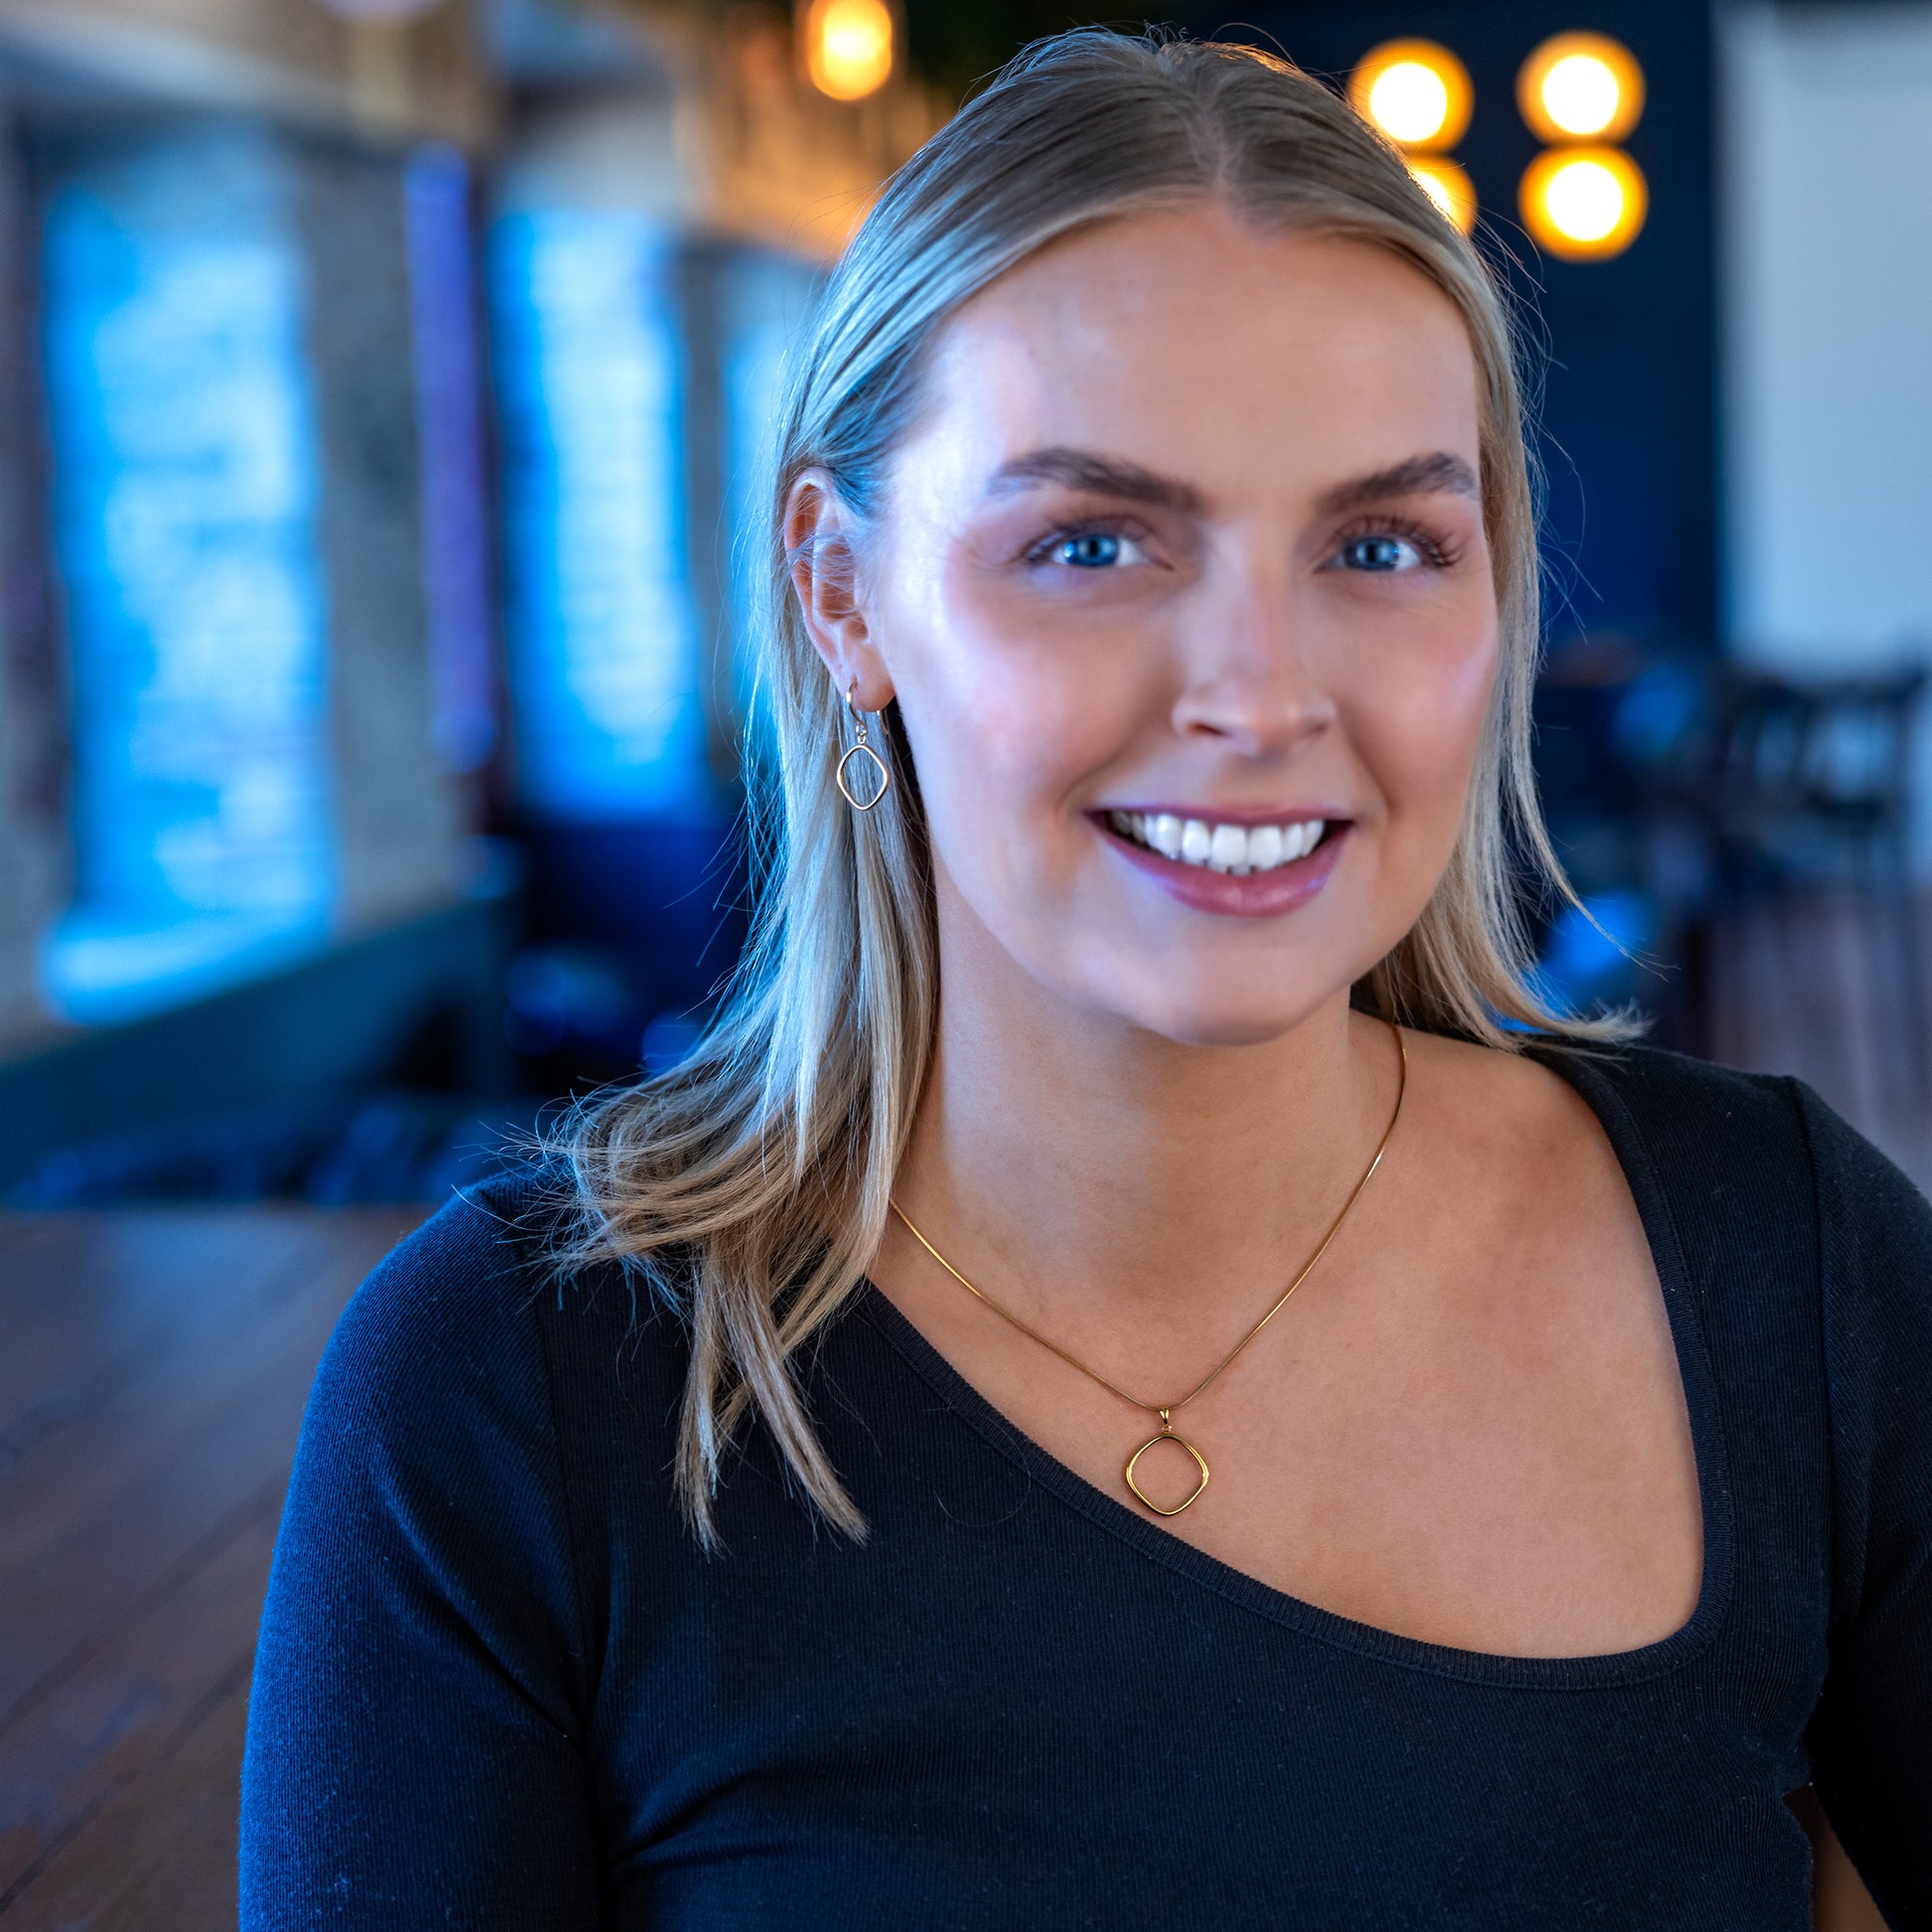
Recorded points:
456,569
1588,956
765,300
184,475
604,666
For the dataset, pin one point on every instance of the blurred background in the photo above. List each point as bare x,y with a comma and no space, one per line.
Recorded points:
387,389
384,396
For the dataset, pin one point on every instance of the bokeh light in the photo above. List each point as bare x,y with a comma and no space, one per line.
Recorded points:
1448,185
1416,91
1581,88
384,12
848,47
1585,204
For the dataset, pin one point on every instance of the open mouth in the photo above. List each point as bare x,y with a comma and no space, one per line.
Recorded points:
1217,846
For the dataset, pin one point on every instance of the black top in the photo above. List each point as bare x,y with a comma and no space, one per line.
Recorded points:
499,1686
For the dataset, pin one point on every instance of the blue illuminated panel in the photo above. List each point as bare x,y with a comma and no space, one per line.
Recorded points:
603,641
455,571
766,298
185,478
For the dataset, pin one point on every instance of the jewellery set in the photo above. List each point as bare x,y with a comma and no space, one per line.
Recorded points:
1165,1409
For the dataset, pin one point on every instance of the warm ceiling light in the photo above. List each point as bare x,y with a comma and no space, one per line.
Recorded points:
848,47
1585,204
1417,92
1448,185
1581,88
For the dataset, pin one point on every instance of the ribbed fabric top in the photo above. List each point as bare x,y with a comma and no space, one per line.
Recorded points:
499,1684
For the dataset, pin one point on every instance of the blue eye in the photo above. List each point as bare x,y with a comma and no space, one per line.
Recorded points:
1378,553
1094,550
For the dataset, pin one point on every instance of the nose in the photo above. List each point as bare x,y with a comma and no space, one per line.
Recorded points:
1250,677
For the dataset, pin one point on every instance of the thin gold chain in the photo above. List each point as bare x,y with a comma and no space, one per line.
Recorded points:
1166,1408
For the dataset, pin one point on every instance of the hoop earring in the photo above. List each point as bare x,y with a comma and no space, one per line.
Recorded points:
861,747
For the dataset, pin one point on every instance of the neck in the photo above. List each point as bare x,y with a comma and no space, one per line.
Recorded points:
1080,1167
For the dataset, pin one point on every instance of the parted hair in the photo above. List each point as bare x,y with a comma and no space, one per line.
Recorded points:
748,1189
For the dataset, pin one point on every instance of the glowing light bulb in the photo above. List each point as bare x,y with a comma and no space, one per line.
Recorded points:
1585,204
848,47
1585,200
1409,102
1581,88
1417,92
1581,95
1448,185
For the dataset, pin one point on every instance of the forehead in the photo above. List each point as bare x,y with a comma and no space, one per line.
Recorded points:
1205,348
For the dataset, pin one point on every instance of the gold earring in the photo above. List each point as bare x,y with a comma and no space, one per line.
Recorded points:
885,784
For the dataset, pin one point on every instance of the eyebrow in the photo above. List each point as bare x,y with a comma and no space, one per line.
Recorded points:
1100,475
1420,476
1106,475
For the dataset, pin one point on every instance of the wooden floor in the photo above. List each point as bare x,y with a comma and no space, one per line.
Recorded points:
1821,988
153,1367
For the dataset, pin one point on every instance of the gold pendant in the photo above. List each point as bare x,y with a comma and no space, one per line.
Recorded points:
1167,1435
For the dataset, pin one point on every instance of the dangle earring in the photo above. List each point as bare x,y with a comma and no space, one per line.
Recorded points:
862,749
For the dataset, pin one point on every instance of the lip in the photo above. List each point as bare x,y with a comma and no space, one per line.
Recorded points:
1230,814
1259,896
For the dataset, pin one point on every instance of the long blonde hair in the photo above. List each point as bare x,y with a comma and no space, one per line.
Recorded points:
748,1187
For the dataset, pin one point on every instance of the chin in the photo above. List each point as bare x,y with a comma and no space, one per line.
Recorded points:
1210,1015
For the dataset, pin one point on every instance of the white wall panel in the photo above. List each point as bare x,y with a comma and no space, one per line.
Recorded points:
1826,183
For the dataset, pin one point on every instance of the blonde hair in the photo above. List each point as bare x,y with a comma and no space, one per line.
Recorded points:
748,1187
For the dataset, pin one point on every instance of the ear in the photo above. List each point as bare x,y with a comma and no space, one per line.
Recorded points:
827,578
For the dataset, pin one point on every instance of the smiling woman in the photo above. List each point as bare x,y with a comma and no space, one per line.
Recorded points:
1138,1371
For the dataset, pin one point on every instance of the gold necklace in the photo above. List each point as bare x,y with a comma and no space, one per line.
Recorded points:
1165,1409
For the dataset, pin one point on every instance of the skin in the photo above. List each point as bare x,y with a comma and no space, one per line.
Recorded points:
1468,1425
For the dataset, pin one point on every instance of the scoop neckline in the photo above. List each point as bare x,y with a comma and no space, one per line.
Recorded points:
1590,1671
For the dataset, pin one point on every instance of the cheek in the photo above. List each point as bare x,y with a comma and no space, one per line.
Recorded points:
1420,728
1009,714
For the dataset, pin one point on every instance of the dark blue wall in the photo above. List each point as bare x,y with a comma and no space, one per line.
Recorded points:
1630,402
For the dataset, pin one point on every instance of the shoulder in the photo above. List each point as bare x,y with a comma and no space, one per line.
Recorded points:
461,1283
1759,1132
1663,1089
1733,1169
1876,1266
428,1522
476,1389
1713,1134
1685,1116
1651,1079
454,1330
1766,1182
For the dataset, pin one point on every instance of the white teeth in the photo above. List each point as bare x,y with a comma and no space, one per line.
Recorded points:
1235,849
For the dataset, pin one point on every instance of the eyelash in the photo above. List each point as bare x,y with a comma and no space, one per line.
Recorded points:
1041,552
1436,550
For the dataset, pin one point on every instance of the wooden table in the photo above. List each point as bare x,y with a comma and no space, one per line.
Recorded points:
153,1367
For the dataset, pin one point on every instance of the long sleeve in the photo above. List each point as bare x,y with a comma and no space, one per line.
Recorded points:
416,1753
1871,1736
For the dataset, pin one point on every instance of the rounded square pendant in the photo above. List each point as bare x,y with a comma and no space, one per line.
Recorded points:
1200,1463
